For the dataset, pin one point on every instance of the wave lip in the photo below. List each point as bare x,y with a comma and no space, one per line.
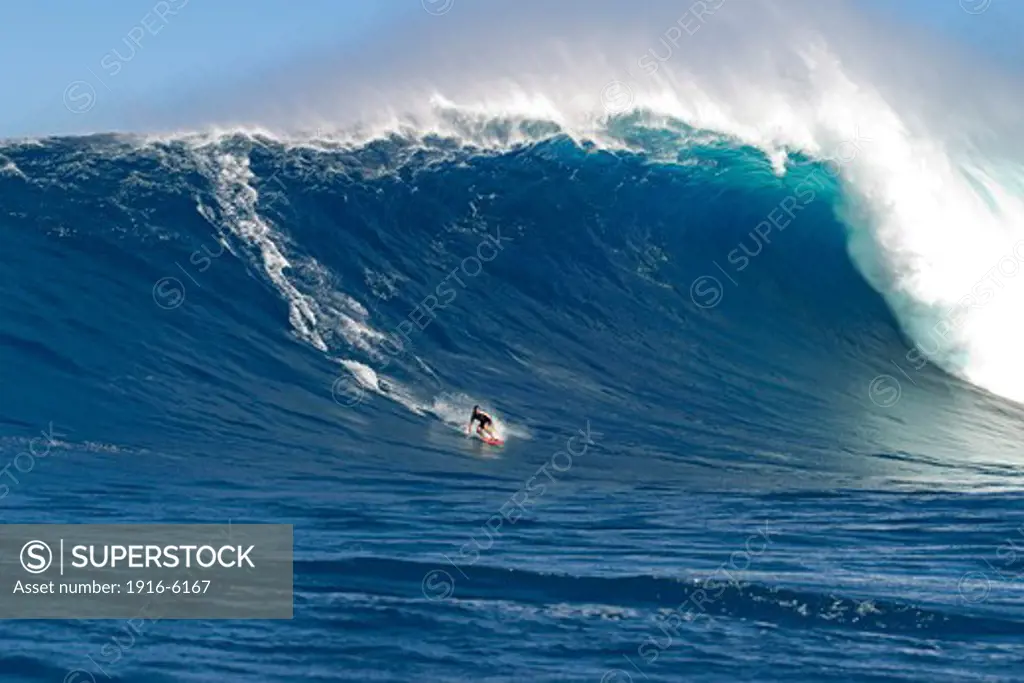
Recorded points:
943,242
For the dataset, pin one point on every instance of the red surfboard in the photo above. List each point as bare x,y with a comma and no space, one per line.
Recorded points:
488,440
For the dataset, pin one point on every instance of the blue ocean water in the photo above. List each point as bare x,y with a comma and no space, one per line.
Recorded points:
721,464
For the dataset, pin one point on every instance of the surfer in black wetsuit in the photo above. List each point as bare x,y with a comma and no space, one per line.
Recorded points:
486,423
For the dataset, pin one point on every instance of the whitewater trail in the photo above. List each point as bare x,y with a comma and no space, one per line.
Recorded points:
8,166
451,408
365,379
321,309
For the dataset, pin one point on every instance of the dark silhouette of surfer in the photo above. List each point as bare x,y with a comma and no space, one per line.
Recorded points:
486,428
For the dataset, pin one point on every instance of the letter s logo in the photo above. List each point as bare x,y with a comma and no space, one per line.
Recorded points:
79,97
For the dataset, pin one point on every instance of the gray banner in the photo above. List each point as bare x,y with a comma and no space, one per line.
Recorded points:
156,571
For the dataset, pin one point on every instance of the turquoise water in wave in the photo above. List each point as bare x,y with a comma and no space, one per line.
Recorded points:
721,464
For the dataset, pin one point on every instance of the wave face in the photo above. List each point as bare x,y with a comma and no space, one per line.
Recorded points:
264,329
423,270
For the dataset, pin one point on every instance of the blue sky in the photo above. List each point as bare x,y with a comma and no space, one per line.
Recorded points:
172,47
994,27
89,66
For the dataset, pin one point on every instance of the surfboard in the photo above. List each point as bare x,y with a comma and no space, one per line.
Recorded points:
488,440
491,442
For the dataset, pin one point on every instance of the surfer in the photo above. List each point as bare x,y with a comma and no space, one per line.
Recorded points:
486,427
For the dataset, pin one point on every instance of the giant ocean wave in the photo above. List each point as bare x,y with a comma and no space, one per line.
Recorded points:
801,240
518,253
792,282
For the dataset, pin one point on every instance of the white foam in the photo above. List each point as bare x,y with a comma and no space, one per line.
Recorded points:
316,308
8,167
237,200
368,379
